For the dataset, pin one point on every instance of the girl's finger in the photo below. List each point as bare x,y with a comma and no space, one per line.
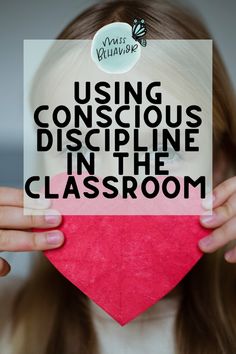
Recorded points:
11,196
223,191
221,214
15,197
230,256
219,237
4,267
11,240
12,217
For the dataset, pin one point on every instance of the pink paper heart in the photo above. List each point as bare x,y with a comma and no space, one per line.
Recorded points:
125,263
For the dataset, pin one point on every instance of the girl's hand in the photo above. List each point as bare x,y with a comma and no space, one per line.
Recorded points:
223,220
15,228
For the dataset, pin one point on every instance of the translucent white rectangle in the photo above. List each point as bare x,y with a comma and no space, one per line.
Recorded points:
177,72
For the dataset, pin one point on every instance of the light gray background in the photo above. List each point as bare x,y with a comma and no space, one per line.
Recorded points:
44,19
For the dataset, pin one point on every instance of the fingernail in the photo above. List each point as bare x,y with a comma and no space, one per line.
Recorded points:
207,203
207,219
229,255
54,237
206,241
52,217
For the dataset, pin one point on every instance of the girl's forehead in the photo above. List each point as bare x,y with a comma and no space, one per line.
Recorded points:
161,61
184,79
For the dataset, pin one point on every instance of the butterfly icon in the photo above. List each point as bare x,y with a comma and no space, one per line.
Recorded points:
139,30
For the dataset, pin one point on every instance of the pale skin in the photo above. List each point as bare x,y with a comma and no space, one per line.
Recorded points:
16,229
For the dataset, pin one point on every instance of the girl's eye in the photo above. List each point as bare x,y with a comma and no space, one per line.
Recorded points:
84,150
74,156
173,156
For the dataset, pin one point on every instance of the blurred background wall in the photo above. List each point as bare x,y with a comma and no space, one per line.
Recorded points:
44,19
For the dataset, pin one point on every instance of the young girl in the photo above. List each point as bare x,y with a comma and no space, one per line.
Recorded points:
48,315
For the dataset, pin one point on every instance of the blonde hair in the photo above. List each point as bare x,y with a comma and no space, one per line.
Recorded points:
50,314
